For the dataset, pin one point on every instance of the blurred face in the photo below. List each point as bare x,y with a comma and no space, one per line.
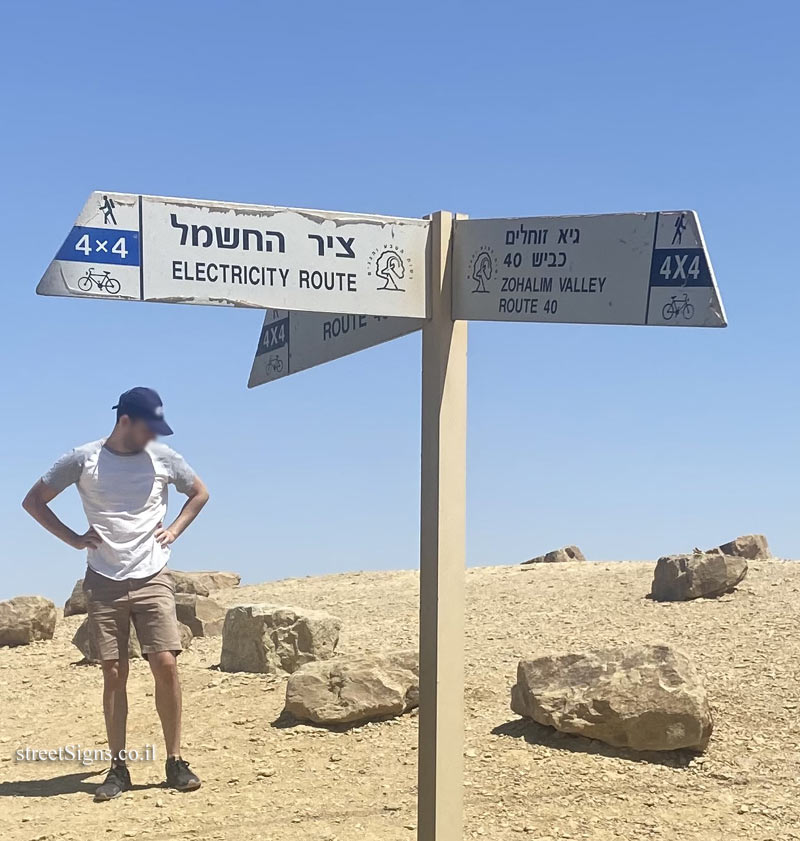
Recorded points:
135,433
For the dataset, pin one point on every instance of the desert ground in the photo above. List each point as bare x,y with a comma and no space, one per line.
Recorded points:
265,780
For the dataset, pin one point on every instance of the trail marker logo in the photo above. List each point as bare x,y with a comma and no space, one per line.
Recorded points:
391,268
483,268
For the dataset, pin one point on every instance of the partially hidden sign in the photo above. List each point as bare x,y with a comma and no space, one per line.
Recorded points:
151,248
294,341
621,268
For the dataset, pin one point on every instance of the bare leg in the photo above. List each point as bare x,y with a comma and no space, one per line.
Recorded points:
164,665
115,703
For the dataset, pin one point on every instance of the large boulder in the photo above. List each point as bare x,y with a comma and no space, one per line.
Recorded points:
679,578
83,642
751,546
346,690
77,602
203,583
202,615
269,638
26,618
643,697
558,556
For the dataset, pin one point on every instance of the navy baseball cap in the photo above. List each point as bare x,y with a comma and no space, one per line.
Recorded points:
145,404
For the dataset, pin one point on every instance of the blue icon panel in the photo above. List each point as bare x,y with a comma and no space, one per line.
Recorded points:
101,245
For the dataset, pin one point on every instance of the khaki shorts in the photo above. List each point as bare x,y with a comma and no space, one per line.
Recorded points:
147,602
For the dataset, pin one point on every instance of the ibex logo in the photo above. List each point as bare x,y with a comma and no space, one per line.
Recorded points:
390,267
482,265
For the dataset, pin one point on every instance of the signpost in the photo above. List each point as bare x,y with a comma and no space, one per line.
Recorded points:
621,268
149,248
626,268
343,273
442,558
294,341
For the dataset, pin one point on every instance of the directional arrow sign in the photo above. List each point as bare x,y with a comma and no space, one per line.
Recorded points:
294,341
626,268
148,248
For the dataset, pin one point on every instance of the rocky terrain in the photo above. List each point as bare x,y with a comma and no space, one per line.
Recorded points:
266,780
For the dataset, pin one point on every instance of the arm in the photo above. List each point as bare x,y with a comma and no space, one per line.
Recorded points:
36,504
197,497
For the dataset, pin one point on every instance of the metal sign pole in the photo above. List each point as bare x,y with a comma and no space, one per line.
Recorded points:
442,552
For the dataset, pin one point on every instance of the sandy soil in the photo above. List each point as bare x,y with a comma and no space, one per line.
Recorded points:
263,781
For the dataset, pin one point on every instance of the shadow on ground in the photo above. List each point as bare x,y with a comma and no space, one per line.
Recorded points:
64,784
538,734
286,720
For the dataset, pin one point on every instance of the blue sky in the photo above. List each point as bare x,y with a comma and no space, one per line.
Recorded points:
630,442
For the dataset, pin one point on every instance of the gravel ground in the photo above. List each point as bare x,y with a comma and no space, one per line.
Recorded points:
265,781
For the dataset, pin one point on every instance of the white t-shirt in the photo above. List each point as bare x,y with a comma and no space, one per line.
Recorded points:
124,496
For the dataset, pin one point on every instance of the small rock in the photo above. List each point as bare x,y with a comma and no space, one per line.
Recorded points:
354,689
203,616
751,546
558,556
203,583
186,635
77,603
684,577
25,619
644,697
269,639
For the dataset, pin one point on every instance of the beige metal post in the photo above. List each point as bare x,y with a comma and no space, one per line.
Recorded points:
442,553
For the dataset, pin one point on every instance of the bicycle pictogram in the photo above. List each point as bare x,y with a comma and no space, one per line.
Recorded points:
678,306
104,282
274,365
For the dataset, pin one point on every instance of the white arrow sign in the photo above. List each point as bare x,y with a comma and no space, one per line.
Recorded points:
294,341
150,248
626,268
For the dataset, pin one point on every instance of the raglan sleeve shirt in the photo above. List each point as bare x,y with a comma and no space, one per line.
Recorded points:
65,472
179,471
